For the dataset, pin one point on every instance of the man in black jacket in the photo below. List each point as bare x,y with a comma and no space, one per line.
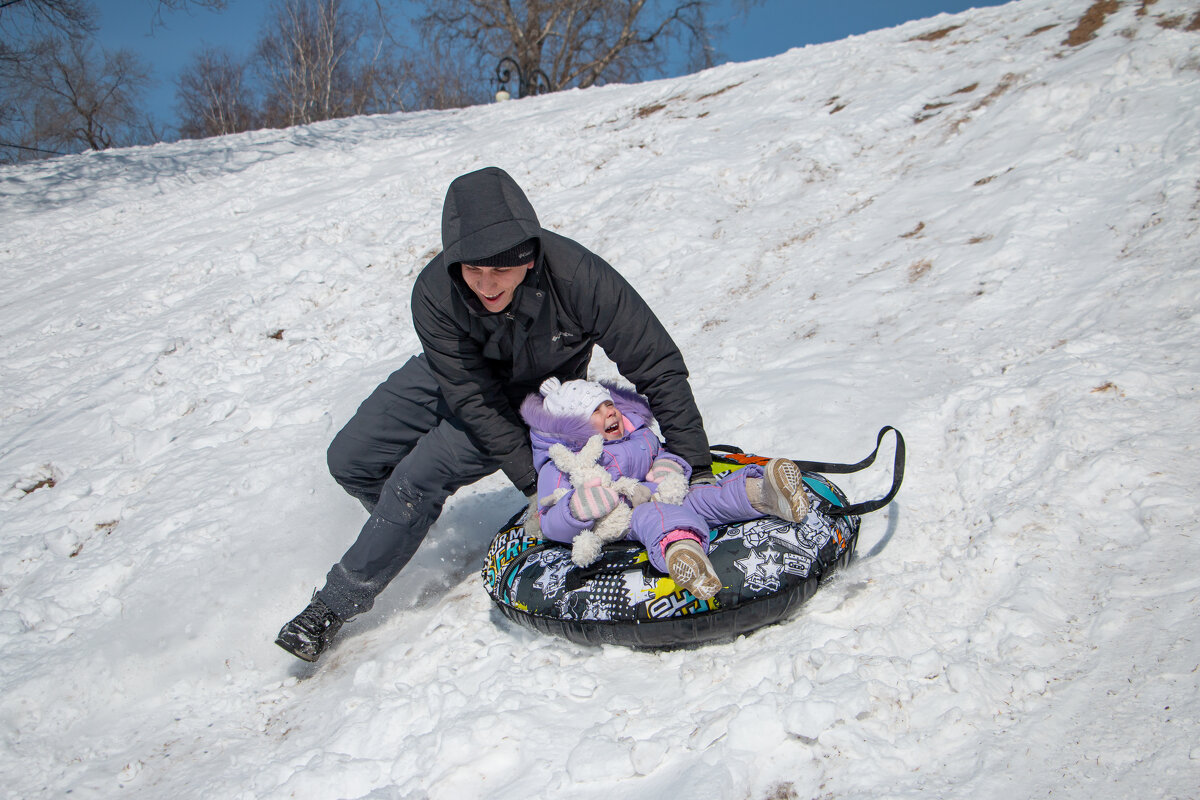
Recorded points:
504,306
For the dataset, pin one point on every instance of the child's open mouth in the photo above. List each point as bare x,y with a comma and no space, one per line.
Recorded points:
613,428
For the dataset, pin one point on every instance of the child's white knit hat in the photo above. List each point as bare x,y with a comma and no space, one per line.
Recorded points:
573,398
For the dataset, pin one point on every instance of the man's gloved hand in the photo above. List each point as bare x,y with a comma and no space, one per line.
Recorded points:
533,520
702,477
593,501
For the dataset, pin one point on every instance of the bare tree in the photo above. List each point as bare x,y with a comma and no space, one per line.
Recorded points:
320,59
50,76
75,99
24,24
214,96
34,20
442,80
380,75
26,18
179,5
573,42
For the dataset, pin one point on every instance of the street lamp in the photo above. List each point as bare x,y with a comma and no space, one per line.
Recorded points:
539,82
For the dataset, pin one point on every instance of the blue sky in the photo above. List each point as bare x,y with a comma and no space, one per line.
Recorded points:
772,27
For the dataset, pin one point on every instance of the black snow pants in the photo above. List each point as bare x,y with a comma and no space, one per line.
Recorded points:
402,454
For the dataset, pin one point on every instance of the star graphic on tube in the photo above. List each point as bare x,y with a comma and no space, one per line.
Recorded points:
761,569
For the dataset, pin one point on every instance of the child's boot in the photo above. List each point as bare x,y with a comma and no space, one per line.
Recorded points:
781,492
689,567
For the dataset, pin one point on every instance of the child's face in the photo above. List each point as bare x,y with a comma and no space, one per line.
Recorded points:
607,421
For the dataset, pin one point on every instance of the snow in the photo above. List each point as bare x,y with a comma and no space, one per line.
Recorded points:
986,239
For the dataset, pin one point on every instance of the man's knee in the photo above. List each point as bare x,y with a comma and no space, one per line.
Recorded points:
415,493
340,458
352,472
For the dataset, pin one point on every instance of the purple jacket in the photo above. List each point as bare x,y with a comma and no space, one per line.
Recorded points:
630,456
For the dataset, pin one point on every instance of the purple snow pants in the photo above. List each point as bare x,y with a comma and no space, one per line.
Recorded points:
704,508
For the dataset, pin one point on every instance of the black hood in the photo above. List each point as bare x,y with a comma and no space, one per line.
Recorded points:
485,213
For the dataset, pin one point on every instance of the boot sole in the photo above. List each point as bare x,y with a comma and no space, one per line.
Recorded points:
300,655
788,483
692,573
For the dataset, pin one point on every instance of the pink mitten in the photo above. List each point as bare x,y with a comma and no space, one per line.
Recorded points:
663,468
593,501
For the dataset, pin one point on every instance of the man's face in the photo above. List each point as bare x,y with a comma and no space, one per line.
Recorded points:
494,286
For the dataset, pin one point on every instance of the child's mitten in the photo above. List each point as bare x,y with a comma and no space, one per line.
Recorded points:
672,487
663,468
592,501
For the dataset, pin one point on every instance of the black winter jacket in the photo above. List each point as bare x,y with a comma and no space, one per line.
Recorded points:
487,363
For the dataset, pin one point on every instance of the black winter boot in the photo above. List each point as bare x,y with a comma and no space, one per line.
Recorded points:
311,632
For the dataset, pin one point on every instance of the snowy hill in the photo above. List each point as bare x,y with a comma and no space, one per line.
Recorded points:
963,226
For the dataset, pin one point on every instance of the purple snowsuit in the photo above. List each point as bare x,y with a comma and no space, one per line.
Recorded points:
704,508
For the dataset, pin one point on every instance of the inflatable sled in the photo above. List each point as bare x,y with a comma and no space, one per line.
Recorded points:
768,568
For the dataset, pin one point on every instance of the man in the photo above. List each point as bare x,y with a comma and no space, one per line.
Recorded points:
505,305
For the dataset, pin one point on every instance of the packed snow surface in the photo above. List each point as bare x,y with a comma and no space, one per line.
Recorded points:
964,227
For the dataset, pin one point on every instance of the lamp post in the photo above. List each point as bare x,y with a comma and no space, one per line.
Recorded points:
538,83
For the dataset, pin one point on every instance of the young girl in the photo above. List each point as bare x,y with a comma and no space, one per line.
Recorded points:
603,475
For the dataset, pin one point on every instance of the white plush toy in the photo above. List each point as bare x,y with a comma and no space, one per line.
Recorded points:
583,469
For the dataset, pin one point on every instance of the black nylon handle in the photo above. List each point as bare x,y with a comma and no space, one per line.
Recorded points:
866,507
832,468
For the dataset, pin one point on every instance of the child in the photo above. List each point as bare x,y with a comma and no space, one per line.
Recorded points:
603,475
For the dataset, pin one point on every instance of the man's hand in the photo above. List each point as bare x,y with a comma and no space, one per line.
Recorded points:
533,520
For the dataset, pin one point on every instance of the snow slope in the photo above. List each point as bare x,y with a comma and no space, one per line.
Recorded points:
984,236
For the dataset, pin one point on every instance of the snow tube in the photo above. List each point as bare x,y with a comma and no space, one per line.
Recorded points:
768,567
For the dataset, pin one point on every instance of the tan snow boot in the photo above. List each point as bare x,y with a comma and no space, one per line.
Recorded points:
689,567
